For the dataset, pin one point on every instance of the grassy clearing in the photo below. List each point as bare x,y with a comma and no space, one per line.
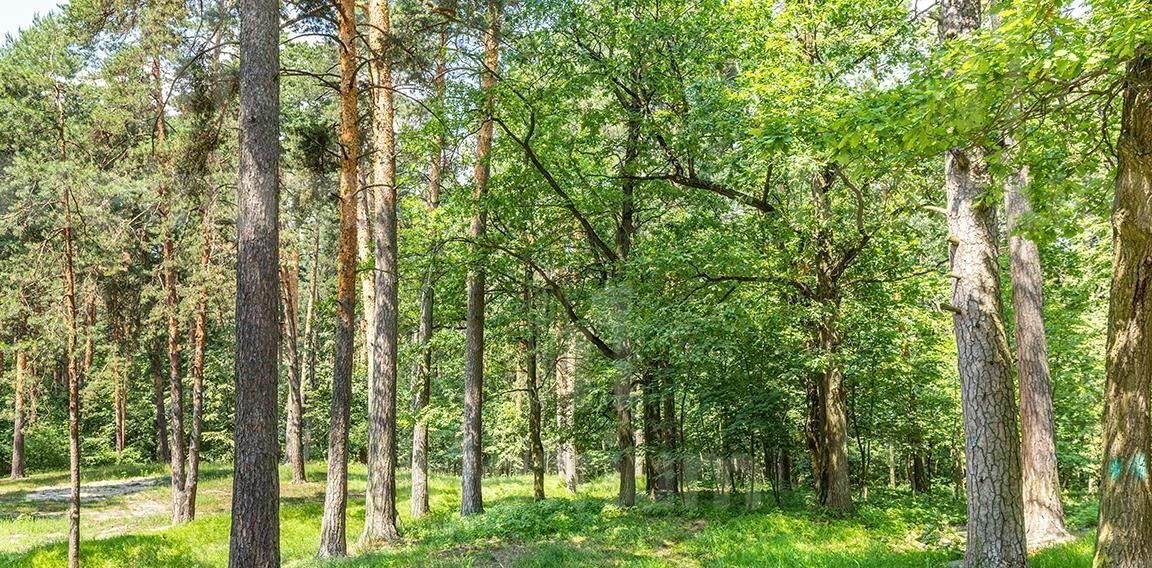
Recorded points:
704,530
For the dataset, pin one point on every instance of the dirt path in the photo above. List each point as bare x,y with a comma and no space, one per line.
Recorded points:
98,490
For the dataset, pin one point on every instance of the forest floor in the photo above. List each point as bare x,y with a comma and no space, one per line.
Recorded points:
125,524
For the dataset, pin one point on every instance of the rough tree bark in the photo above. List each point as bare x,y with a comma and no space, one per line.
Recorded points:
333,524
472,501
1124,537
566,365
380,495
255,537
1043,512
992,444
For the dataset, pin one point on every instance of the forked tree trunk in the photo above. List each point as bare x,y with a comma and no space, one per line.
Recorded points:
992,444
333,541
566,366
1124,537
255,538
17,471
1043,512
380,495
472,500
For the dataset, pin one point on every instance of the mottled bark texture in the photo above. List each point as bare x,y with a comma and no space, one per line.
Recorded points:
566,365
380,494
992,443
333,524
1124,537
1043,512
255,536
73,387
472,501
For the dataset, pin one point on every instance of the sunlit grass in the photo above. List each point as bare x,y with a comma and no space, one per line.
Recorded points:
703,529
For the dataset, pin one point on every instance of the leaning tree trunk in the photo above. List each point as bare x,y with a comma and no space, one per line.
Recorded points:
1124,537
992,444
380,495
472,500
566,365
1043,512
255,538
333,541
17,471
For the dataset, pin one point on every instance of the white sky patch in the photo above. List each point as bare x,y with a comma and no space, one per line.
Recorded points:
18,14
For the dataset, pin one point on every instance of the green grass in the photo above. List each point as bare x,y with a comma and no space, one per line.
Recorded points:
704,529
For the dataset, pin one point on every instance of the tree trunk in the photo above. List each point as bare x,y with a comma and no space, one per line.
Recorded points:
294,420
199,347
625,442
310,336
891,466
472,501
784,469
1043,512
532,385
566,365
380,495
161,421
995,502
333,541
73,389
422,392
17,471
1124,538
255,538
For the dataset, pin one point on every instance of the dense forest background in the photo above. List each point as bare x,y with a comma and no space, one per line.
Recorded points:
711,242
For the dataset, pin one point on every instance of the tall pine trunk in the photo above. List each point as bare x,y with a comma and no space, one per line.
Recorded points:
988,402
472,501
333,524
380,495
1124,537
1043,512
255,537
422,391
73,387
